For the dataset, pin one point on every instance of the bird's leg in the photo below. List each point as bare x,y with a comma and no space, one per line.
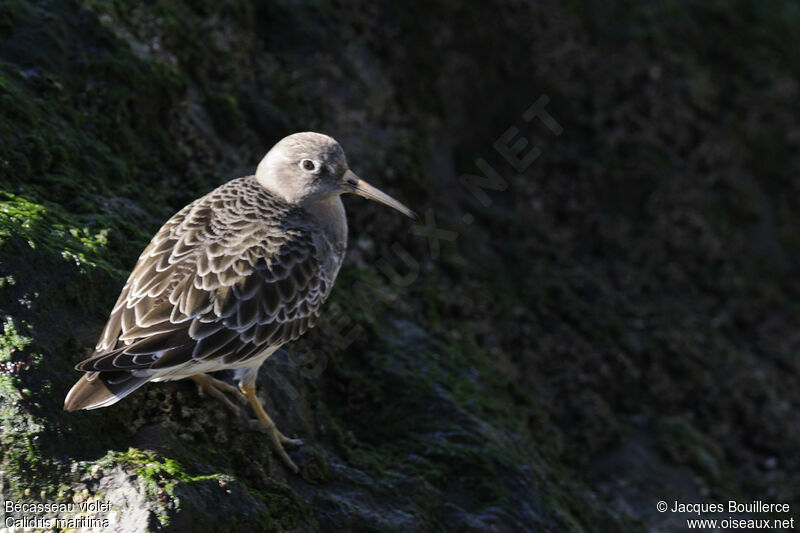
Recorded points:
264,423
218,389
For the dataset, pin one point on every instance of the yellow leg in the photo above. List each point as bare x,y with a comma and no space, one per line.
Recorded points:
265,424
218,389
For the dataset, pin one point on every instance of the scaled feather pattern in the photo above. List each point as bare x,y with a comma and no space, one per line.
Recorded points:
230,275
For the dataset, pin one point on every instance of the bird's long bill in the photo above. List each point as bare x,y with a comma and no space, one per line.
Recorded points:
360,187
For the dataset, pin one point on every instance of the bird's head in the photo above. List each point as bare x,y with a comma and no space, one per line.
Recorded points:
311,167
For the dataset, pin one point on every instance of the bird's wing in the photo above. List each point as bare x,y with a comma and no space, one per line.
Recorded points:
225,278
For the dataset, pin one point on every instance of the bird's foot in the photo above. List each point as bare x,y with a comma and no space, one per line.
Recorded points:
220,390
264,424
277,439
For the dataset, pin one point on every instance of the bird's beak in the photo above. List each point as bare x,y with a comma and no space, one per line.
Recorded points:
354,184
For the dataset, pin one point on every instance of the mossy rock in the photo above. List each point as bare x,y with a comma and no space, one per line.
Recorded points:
623,311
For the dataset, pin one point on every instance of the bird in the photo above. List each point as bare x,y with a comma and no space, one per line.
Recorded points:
229,279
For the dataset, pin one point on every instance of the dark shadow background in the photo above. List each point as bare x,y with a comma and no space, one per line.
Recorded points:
614,325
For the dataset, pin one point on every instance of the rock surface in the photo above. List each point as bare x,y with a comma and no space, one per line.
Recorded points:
609,321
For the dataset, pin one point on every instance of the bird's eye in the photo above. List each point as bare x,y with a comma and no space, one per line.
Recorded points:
308,165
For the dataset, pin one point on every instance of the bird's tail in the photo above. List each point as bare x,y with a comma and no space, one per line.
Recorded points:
101,389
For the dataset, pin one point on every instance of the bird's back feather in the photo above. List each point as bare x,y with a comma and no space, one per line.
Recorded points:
230,275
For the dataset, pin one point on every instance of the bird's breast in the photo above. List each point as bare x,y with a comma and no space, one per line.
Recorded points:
331,236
